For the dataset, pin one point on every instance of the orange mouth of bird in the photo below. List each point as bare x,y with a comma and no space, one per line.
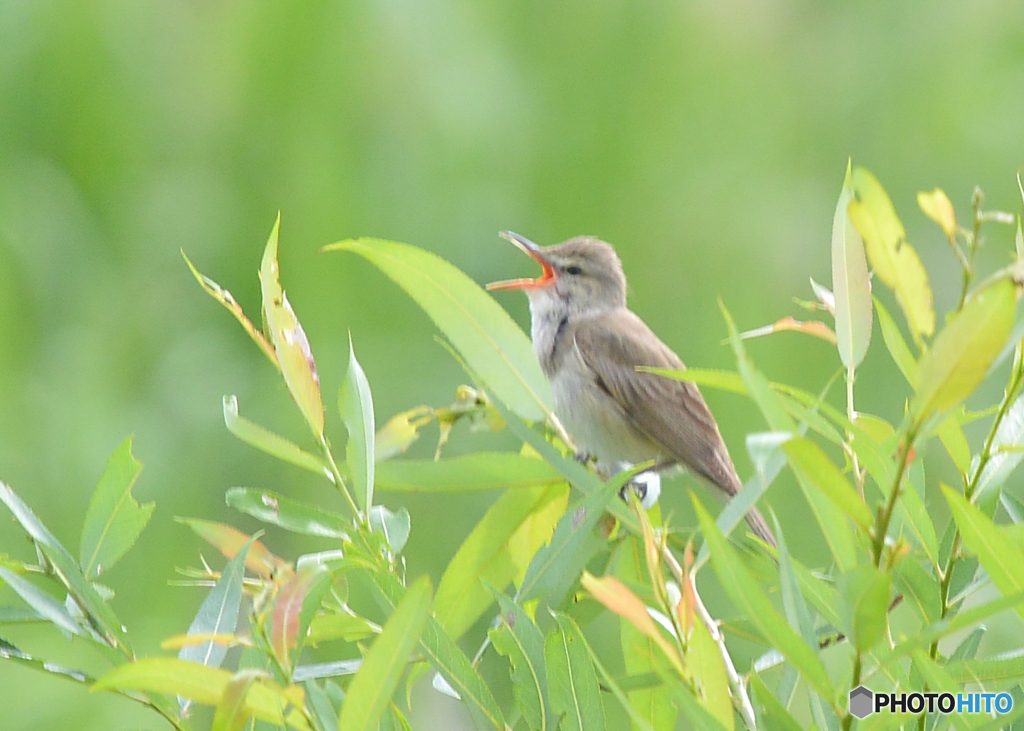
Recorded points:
548,275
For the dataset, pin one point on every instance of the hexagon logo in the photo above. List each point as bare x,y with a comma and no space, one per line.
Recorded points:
862,702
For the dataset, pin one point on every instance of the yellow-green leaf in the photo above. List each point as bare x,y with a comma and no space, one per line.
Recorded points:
937,206
894,260
962,352
289,339
356,405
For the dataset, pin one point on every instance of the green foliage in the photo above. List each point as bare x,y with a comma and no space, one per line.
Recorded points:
557,548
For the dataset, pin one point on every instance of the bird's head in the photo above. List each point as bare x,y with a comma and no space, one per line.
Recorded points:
583,274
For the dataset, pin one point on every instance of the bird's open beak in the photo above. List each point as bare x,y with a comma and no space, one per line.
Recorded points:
547,276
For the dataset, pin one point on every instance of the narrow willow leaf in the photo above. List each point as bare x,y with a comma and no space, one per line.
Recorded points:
953,439
485,555
575,694
961,354
373,686
48,608
937,206
619,686
865,610
229,541
705,663
920,588
1002,557
218,613
231,713
395,527
850,283
757,385
639,652
776,716
479,471
400,432
339,626
114,520
554,568
265,700
518,638
293,609
10,652
1006,450
289,339
69,573
806,456
356,405
742,588
712,378
492,344
895,344
321,706
286,513
813,328
987,670
336,669
894,260
620,599
266,441
692,708
447,659
912,515
227,299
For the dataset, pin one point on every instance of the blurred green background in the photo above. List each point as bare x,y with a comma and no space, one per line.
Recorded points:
707,140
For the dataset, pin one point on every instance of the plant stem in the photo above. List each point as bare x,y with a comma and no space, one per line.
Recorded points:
342,487
882,527
854,682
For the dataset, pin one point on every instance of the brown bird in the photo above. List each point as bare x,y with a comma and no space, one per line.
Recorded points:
589,345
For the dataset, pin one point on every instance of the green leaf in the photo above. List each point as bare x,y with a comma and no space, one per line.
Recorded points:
894,260
618,688
961,354
479,471
850,283
114,520
229,541
806,457
921,589
865,610
446,657
218,613
572,682
10,652
48,608
69,573
356,405
518,638
492,344
231,713
775,714
912,515
373,686
953,439
1002,557
757,385
266,441
293,610
485,555
988,670
265,700
338,626
639,652
395,527
895,344
289,339
748,597
704,660
1006,450
286,513
556,566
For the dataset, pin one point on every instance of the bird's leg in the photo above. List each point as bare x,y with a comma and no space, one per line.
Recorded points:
585,458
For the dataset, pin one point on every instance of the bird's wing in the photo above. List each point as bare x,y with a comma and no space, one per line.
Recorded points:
668,412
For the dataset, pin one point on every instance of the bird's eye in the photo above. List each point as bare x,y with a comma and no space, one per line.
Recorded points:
573,270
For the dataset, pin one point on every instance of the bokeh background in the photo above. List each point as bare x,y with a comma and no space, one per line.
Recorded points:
707,140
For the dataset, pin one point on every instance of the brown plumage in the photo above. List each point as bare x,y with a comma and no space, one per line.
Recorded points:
590,344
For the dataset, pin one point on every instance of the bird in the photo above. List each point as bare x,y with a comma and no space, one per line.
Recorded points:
589,345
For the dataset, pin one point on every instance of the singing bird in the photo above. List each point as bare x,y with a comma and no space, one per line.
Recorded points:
590,344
